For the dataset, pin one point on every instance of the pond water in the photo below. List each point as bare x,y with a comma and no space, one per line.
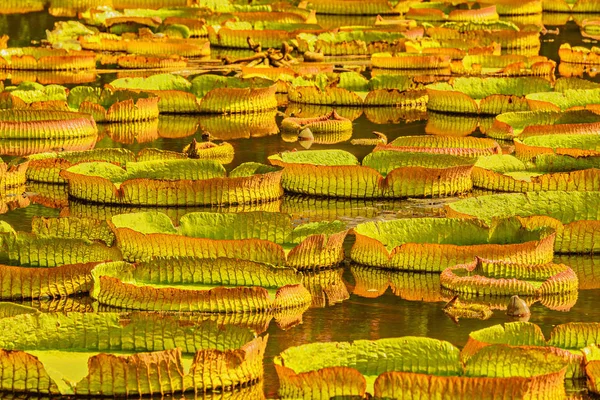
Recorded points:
379,304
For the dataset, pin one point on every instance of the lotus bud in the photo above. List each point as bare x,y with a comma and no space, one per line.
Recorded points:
517,307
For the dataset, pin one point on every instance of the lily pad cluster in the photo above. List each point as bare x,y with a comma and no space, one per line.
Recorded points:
157,271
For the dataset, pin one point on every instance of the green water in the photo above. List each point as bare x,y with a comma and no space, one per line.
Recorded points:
386,315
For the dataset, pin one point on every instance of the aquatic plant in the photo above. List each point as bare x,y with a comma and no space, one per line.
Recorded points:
390,174
108,106
500,278
46,167
433,244
36,58
545,172
569,213
567,340
223,285
264,237
458,146
205,93
354,369
192,354
484,95
183,182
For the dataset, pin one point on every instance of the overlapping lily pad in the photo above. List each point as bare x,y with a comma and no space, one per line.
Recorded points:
545,172
389,368
205,93
352,89
484,95
391,174
108,106
567,340
512,125
432,244
571,214
183,182
458,146
507,34
356,42
46,264
505,65
223,285
500,278
35,58
46,167
264,237
191,354
578,146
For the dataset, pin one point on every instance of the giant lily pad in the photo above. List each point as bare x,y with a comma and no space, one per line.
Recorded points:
35,58
458,146
12,175
508,35
39,250
265,237
205,93
484,95
108,106
571,214
395,174
545,172
46,167
410,61
352,89
193,355
359,42
505,65
561,101
45,124
432,244
566,340
173,182
530,123
575,145
391,368
501,278
222,285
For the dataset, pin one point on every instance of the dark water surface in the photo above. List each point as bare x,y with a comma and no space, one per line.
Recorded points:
400,310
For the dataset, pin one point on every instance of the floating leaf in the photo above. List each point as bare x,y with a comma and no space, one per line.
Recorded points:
568,213
330,369
257,236
173,182
458,146
486,277
194,355
566,340
336,173
432,244
484,95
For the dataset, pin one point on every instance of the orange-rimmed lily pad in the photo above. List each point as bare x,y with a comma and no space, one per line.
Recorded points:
193,355
264,237
458,146
183,182
432,244
571,214
501,278
188,284
484,95
390,368
567,340
391,174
